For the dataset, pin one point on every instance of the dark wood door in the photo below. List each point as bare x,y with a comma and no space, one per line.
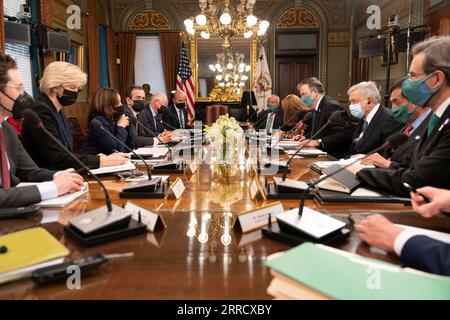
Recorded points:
291,71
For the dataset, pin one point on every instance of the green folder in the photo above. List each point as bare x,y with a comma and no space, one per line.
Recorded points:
342,275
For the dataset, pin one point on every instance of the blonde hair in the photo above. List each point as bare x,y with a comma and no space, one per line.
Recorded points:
57,73
291,105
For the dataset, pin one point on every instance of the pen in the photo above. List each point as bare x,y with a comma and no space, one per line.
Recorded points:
414,190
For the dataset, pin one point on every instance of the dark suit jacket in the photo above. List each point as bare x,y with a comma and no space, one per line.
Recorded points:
146,118
380,128
170,116
261,121
429,164
137,136
402,155
42,149
22,169
100,142
337,137
427,254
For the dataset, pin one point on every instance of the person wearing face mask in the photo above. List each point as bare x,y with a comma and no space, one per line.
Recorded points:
59,88
176,116
428,85
151,118
106,107
135,108
272,118
415,121
16,165
337,137
375,122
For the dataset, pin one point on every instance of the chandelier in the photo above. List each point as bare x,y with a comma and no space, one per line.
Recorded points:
230,70
221,19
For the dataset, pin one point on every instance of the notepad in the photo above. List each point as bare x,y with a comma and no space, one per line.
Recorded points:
113,169
61,201
28,248
342,275
308,152
154,152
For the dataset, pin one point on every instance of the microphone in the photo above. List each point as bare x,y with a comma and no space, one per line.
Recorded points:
393,141
306,118
149,185
335,116
35,121
155,135
166,124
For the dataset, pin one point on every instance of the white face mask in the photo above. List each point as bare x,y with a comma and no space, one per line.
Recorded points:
356,110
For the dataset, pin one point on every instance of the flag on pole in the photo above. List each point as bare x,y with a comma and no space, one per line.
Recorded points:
263,81
185,82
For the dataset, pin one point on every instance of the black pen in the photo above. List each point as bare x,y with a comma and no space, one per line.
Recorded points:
414,190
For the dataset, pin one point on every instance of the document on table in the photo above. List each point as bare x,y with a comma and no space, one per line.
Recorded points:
154,152
113,169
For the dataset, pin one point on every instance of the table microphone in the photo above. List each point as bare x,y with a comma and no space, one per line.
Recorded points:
306,118
393,141
33,119
166,124
155,135
335,117
97,125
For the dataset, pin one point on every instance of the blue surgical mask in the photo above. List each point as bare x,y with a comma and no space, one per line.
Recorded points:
272,107
356,110
418,92
308,101
402,115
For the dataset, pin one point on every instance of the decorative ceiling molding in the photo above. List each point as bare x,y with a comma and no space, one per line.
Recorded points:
297,18
149,19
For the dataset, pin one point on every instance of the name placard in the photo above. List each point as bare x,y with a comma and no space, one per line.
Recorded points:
152,220
176,189
256,219
190,170
256,190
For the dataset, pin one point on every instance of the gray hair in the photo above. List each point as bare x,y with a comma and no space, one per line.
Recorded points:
437,55
313,83
366,89
275,97
158,96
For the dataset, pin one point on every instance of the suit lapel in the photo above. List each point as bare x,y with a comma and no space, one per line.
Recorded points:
371,128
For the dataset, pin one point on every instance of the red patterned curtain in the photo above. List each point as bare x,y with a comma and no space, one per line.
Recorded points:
127,53
92,28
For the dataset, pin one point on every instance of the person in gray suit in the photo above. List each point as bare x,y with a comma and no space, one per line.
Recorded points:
16,165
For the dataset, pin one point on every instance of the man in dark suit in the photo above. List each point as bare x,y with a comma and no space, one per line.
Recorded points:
272,118
336,138
135,109
15,164
415,120
428,86
176,116
376,123
415,250
151,118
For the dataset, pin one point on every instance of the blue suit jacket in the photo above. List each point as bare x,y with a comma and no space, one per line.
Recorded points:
170,116
99,142
426,254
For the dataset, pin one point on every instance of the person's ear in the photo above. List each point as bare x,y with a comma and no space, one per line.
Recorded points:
439,79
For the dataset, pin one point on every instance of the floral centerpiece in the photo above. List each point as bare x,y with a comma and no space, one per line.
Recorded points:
226,141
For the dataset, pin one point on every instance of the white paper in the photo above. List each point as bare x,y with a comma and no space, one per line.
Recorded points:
147,217
253,189
26,272
312,152
311,222
343,162
61,201
155,151
49,216
125,167
259,218
178,189
363,192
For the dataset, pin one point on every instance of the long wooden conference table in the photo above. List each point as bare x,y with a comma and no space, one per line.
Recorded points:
169,264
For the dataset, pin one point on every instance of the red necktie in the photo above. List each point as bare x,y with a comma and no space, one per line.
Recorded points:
408,129
4,163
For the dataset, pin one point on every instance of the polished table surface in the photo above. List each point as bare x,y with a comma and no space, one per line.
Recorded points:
168,264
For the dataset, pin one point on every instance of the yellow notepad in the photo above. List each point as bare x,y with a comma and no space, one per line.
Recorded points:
29,247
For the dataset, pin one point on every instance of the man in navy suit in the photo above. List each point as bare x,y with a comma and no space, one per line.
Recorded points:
415,250
176,116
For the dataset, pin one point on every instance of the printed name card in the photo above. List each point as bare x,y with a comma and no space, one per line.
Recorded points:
190,170
256,190
259,218
152,220
176,189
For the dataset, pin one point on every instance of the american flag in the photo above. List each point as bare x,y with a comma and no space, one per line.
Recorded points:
185,82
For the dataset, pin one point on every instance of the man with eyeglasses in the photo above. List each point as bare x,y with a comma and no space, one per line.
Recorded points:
428,85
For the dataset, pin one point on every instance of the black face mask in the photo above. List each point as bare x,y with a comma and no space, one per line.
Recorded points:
118,112
180,106
22,102
162,109
138,105
68,98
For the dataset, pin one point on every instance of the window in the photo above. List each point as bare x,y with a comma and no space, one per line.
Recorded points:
148,63
19,52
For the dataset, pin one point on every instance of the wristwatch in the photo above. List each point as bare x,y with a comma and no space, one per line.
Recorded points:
320,142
